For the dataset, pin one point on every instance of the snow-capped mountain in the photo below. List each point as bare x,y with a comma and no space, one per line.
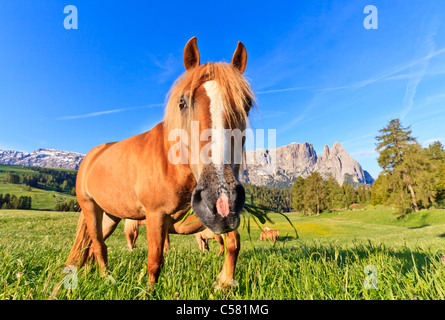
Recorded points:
42,158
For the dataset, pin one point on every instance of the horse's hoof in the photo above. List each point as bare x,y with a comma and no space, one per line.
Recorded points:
220,285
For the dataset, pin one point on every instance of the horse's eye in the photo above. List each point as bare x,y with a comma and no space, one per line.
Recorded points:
182,104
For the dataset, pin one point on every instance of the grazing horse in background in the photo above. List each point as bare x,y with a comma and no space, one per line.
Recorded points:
143,177
131,230
203,238
269,234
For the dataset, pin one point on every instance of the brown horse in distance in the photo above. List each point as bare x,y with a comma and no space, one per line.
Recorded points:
137,179
269,234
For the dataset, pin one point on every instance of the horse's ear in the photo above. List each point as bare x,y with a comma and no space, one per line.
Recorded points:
239,60
191,54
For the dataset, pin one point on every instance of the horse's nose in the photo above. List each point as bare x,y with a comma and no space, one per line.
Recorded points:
239,197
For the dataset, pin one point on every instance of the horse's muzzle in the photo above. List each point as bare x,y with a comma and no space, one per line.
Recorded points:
218,206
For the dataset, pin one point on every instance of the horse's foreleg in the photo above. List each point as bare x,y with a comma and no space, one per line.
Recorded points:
156,234
199,241
220,240
233,243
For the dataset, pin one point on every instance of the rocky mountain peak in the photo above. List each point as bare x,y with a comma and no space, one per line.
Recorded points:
300,159
326,151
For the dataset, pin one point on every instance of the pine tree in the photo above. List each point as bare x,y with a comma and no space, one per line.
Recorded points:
333,192
381,189
393,143
315,197
436,154
298,191
350,195
419,169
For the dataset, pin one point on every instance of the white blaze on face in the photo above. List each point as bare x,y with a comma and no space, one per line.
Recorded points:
218,136
216,113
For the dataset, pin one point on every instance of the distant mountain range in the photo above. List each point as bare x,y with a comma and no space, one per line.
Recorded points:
300,159
42,158
291,161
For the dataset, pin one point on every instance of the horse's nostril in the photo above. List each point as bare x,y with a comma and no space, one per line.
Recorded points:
197,195
240,191
240,197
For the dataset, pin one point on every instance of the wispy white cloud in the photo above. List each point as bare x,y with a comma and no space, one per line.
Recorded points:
358,138
364,153
90,115
285,90
105,112
428,142
169,67
418,72
392,74
315,101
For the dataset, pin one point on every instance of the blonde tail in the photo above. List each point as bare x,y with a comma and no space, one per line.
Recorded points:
80,252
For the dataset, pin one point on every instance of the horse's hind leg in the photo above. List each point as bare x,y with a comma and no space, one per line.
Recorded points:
131,230
109,224
167,242
93,215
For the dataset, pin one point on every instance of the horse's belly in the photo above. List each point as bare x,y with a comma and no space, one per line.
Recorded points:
113,190
120,204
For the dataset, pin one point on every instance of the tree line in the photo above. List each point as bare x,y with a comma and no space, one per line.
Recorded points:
49,178
71,205
11,201
273,198
314,194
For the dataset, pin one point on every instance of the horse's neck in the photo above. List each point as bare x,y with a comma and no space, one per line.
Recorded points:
182,172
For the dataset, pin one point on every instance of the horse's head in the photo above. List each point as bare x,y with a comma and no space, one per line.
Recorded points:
209,104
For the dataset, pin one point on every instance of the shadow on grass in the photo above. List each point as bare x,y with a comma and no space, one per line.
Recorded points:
419,227
406,259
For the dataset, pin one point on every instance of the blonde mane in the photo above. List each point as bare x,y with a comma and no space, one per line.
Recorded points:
236,92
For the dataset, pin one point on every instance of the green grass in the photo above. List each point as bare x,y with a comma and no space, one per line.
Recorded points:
326,262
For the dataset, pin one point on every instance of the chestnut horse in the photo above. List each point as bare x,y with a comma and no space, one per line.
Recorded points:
143,177
270,234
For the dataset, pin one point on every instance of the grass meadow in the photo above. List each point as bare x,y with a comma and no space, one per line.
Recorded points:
348,255
42,199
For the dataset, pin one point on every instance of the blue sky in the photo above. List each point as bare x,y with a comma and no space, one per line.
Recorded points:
319,75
